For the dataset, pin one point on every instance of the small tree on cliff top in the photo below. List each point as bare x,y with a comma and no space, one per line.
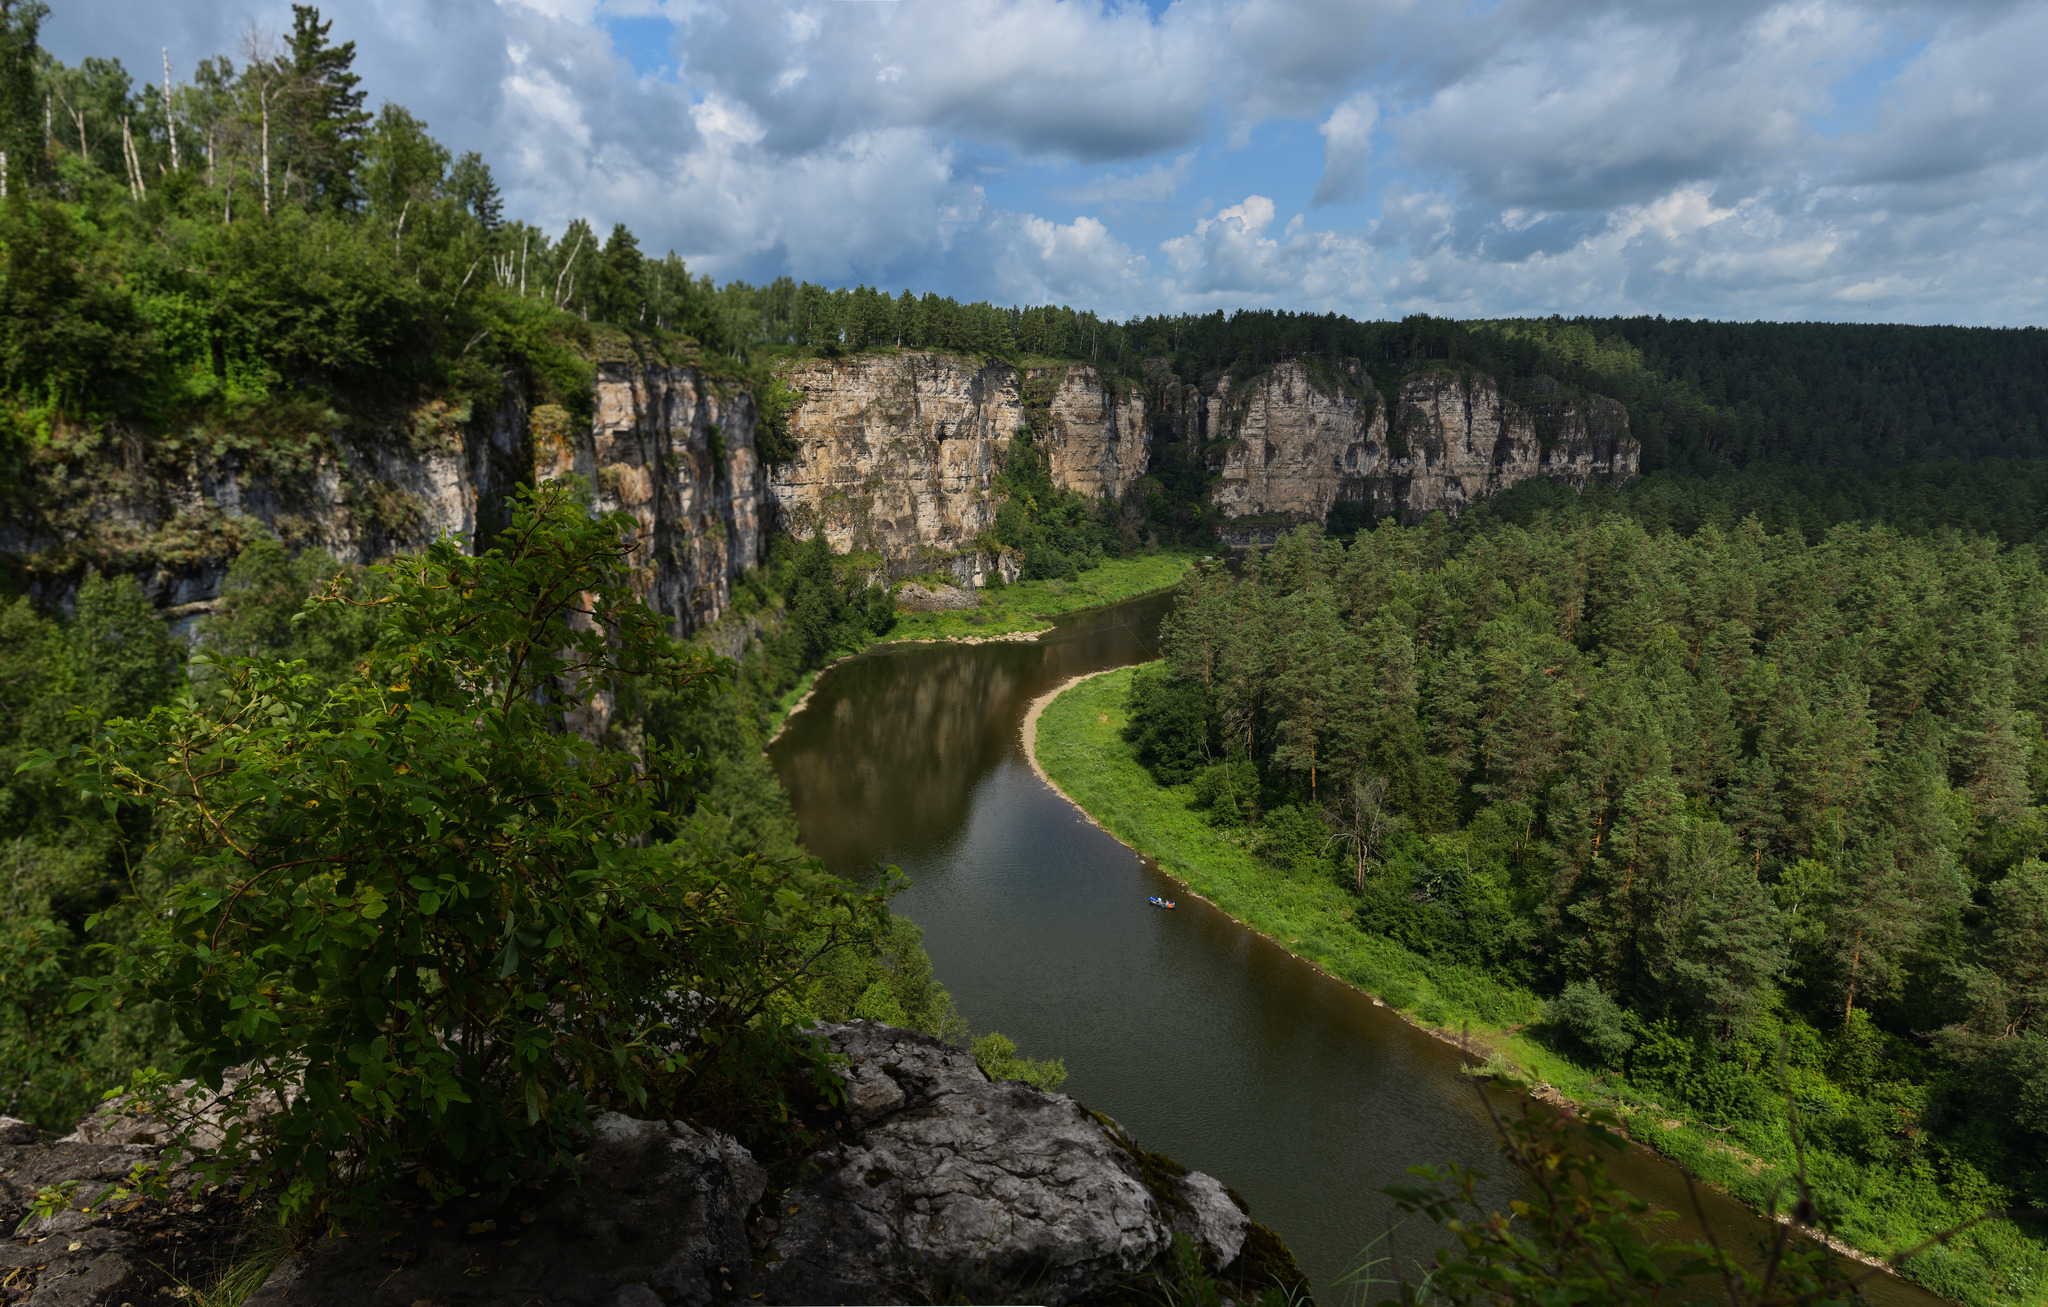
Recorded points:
443,927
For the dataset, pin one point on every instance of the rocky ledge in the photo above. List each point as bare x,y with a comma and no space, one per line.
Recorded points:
914,597
939,1185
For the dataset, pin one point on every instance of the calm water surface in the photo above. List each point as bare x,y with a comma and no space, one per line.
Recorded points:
1205,1041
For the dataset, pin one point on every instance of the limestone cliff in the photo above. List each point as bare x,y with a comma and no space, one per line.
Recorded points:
675,450
1298,443
898,452
895,452
668,444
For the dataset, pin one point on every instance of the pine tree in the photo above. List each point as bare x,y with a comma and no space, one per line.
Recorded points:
1715,943
618,293
21,107
325,112
471,185
404,167
1452,701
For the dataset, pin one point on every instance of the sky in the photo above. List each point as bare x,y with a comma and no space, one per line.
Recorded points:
1843,160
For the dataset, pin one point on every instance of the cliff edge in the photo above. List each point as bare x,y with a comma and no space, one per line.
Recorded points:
934,1183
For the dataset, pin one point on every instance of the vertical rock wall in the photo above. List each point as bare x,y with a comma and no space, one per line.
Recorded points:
898,453
1095,435
1299,443
1293,443
676,451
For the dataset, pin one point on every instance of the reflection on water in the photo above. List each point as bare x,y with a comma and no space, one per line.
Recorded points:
1207,1041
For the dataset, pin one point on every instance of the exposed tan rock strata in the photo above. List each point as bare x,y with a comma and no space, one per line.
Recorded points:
1293,443
1300,443
675,451
667,444
898,453
1095,435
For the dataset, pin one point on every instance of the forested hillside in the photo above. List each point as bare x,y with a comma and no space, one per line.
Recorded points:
1729,799
1719,789
255,254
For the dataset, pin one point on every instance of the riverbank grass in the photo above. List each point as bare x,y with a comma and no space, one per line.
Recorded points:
1079,744
1032,605
1081,747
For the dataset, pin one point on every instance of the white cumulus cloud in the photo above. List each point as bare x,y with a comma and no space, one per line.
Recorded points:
1347,148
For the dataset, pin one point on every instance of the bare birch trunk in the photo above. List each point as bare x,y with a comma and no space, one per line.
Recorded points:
263,98
170,123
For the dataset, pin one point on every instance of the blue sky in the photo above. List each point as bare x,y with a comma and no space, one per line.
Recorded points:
1833,159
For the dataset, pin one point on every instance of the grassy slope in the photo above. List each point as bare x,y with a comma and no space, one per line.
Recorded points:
1029,605
1080,746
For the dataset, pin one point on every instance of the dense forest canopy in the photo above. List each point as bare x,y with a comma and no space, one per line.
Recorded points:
1719,795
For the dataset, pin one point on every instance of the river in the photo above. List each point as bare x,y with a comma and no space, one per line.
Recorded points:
1206,1041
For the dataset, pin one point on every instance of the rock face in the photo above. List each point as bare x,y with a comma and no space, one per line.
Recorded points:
1292,442
918,598
898,453
114,1254
174,512
1095,435
676,451
987,1190
938,1185
1299,443
667,445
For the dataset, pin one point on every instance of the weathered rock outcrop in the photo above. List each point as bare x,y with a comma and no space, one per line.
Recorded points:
916,597
674,449
668,444
898,452
1292,443
1300,443
118,1252
988,1190
938,1183
174,511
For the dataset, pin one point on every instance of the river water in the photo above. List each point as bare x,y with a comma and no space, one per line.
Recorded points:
1206,1041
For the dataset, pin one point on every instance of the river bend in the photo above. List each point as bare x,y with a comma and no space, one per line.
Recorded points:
1206,1041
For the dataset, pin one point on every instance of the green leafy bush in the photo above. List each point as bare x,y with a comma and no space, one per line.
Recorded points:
996,1054
1588,1017
441,925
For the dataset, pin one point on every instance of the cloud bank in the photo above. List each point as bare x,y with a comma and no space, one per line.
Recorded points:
1858,159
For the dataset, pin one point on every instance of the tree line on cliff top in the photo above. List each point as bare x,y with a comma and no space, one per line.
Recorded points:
241,245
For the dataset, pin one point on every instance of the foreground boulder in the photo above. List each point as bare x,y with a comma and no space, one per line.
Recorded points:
100,1247
938,1184
948,1184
